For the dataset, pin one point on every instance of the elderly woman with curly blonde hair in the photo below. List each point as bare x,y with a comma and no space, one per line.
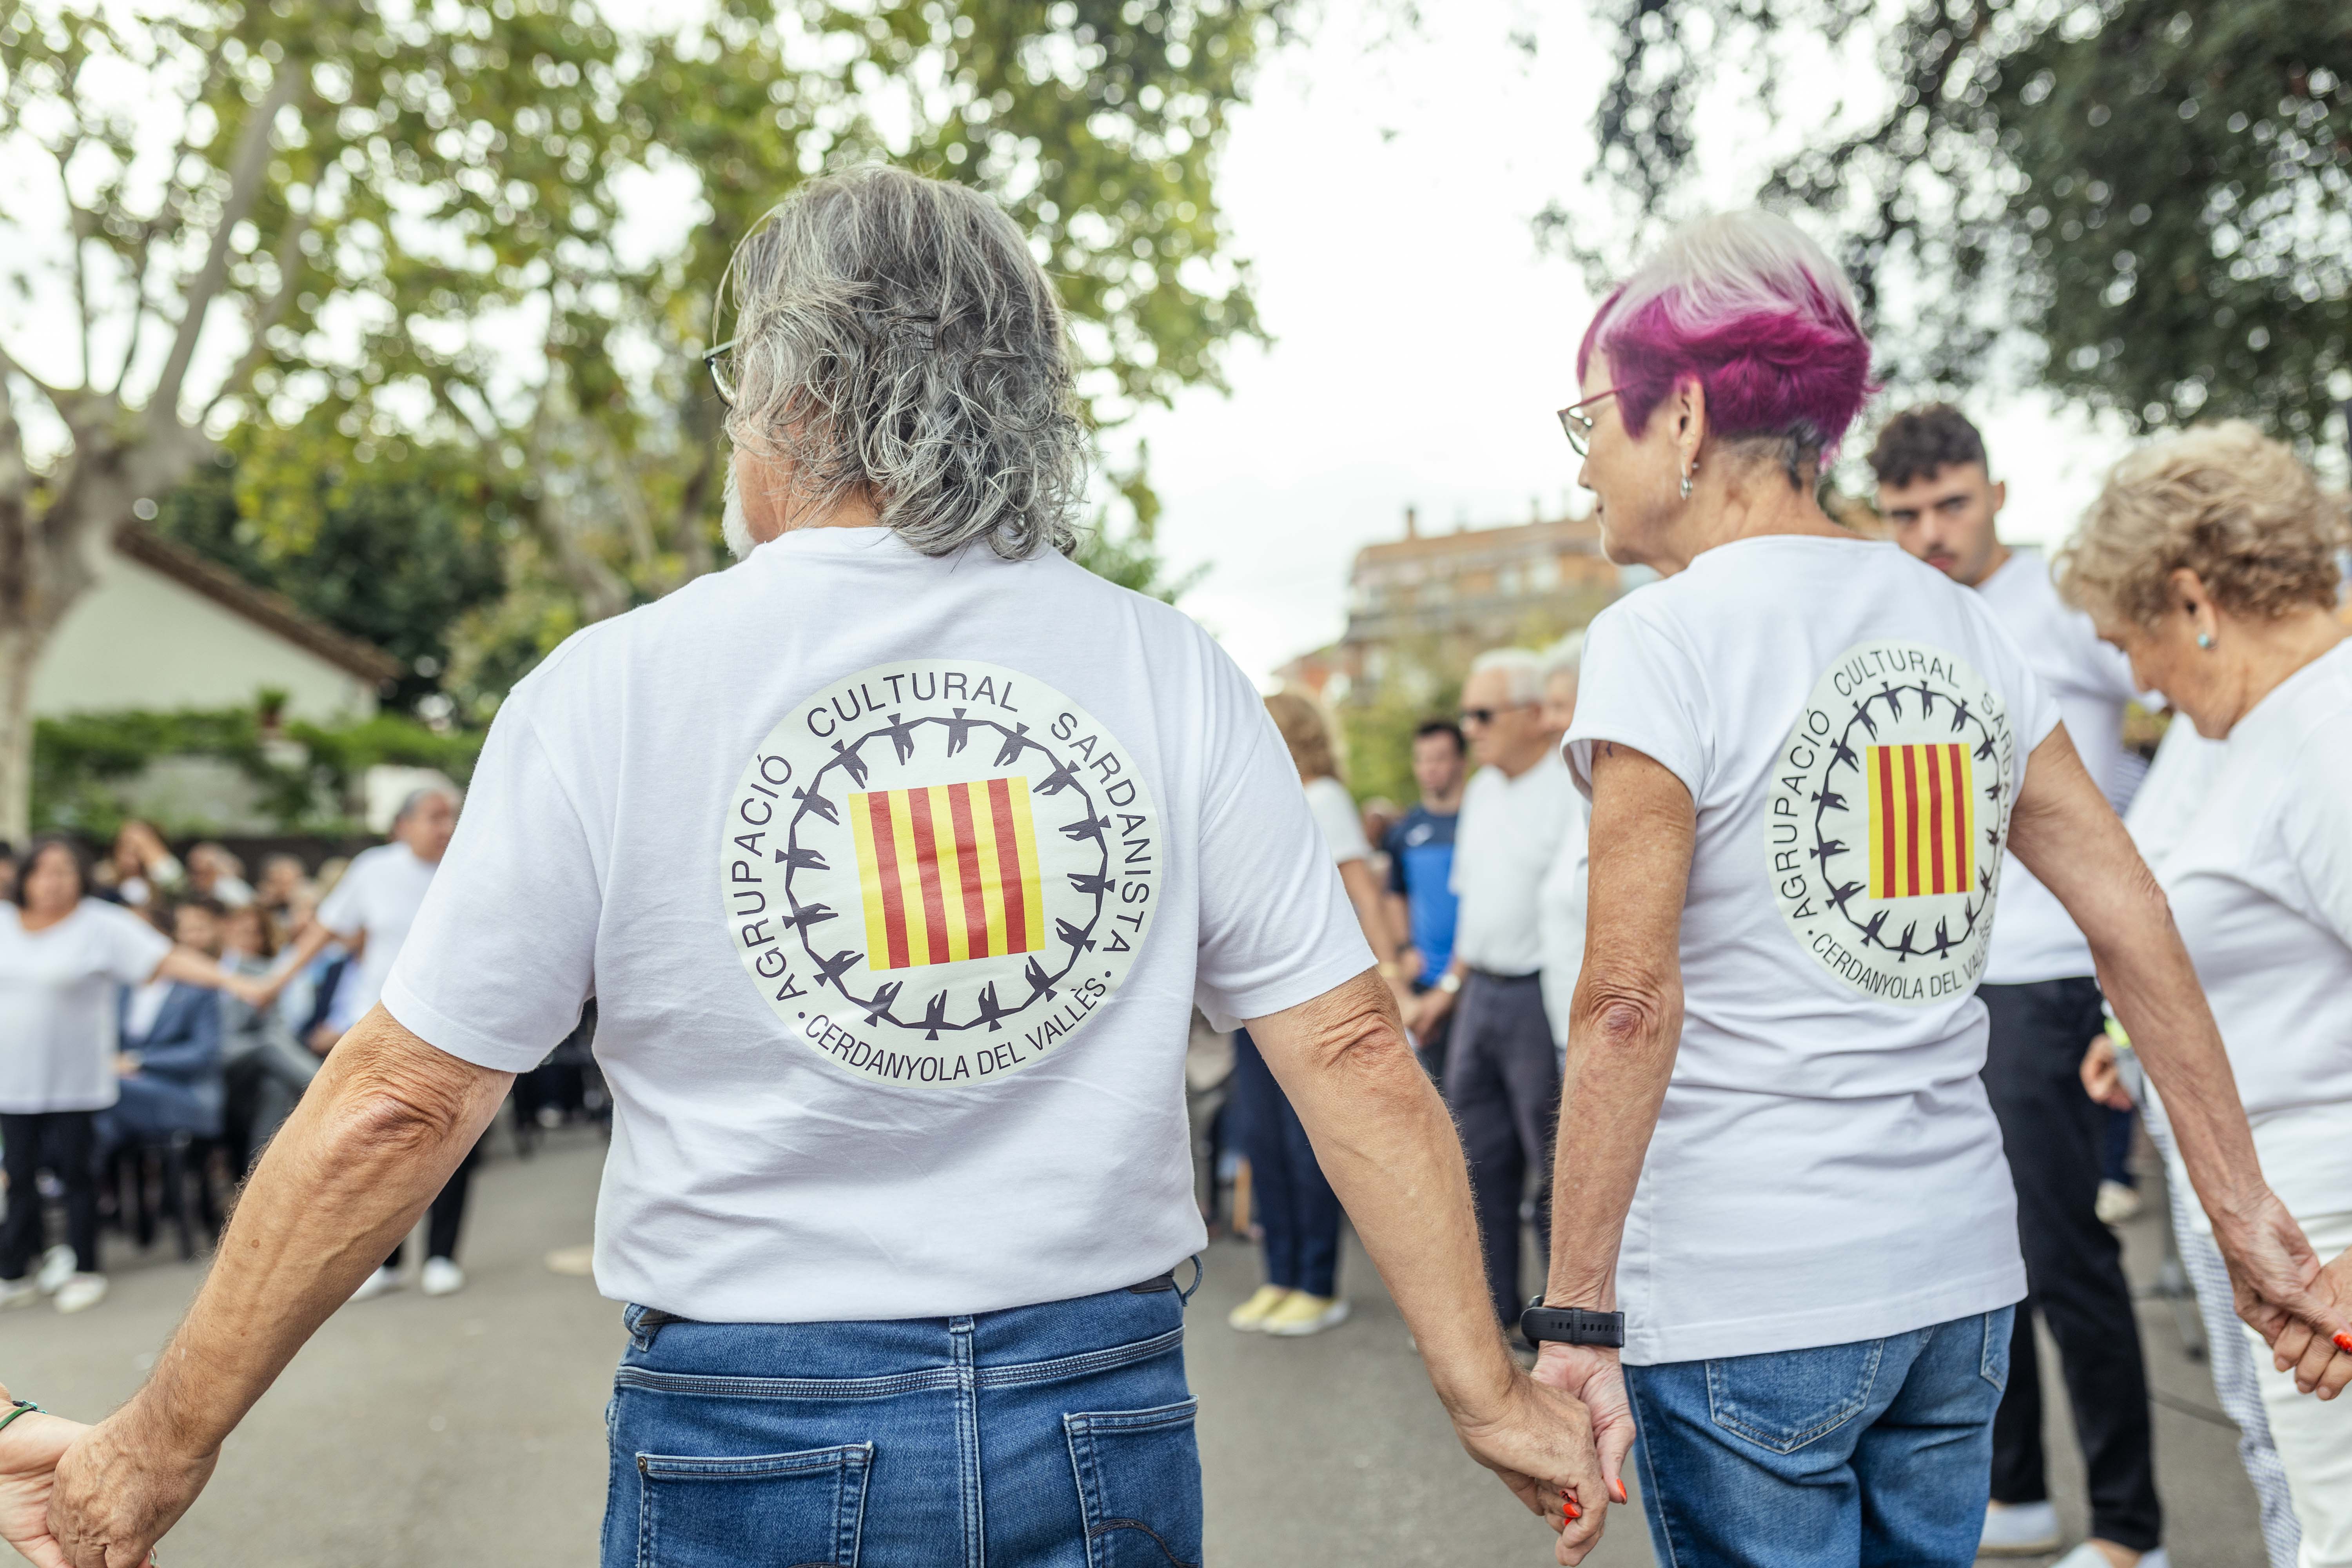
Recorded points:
2211,560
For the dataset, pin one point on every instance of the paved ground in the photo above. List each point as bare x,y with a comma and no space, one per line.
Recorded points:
466,1431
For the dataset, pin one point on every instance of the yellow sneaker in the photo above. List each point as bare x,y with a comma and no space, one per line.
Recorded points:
1251,1315
1303,1314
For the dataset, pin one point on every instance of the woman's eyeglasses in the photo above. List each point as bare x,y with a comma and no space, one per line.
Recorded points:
1577,424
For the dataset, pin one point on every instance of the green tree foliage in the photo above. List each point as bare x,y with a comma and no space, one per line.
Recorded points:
2157,191
401,226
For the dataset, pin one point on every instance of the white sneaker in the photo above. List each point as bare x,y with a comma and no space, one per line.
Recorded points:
2020,1530
2115,1202
2089,1556
56,1267
442,1276
376,1284
18,1293
81,1292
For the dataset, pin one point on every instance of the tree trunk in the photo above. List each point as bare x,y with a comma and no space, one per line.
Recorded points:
19,652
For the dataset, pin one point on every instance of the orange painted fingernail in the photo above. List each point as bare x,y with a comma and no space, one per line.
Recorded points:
2344,1342
1618,1488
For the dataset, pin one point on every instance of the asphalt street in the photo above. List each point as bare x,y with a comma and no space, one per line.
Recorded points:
467,1432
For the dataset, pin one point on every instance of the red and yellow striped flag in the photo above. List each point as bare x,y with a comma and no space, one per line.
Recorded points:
1922,821
949,873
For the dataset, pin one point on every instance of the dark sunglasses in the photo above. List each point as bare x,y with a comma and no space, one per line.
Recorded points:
1578,425
1488,715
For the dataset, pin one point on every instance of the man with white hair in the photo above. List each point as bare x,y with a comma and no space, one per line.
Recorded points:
897,857
1559,901
1502,1069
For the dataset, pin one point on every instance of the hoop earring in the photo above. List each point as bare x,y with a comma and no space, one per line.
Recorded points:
2205,641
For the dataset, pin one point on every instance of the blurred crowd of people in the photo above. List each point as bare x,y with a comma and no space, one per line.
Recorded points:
160,1016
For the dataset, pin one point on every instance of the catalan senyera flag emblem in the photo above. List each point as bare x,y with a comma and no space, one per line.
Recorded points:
949,872
1922,821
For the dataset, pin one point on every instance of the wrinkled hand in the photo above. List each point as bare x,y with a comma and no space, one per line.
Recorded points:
120,1488
1429,1010
1597,1378
2103,1080
2276,1277
29,1451
1539,1441
2321,1365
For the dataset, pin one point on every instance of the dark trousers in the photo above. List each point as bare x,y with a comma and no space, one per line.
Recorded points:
1295,1207
2053,1134
67,1142
447,1213
1502,1083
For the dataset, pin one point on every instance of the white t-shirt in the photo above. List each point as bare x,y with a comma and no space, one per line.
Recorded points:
1335,814
2259,873
1825,1167
1560,916
2035,939
377,898
896,880
57,989
1503,844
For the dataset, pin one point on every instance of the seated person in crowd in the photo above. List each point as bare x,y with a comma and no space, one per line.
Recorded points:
170,1047
263,1069
214,873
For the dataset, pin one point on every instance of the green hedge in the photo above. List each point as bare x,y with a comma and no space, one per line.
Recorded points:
80,762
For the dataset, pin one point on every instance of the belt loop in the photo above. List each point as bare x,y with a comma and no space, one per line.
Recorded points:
1184,1295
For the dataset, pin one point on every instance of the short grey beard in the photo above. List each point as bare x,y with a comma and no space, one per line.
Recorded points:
732,525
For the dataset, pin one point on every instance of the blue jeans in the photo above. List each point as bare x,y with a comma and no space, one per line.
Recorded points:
1878,1452
1057,1436
1296,1205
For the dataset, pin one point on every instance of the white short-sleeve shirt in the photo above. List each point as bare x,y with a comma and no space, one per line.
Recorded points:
1560,915
1852,728
59,985
1336,816
1504,843
2252,840
896,880
2091,682
377,898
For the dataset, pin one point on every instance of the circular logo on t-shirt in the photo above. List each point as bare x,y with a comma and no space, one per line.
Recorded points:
936,870
1890,803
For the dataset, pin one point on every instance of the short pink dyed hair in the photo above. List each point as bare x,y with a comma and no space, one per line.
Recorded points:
1747,306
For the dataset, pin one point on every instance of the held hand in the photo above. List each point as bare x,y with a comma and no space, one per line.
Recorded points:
2321,1365
1594,1374
2102,1080
1429,1010
120,1488
2276,1277
257,994
1539,1441
29,1451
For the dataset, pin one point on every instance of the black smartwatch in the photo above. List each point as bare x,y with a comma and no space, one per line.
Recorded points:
1571,1326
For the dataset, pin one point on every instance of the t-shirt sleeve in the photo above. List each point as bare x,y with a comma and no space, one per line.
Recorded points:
502,953
131,947
2315,828
1392,846
1335,813
345,908
1640,688
1277,928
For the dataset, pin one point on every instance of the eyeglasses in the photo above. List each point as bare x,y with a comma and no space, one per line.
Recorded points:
720,360
1578,425
1483,716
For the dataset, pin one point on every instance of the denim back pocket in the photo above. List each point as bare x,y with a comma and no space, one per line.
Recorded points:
794,1511
1786,1399
1993,1365
1138,1474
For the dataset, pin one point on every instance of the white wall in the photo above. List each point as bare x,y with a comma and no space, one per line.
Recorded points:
139,639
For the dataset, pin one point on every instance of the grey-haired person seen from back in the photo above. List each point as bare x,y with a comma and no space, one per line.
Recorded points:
897,857
1806,754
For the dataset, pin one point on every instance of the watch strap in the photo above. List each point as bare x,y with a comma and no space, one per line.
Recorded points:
1571,1326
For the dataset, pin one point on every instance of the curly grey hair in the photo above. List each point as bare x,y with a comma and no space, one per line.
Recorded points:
896,340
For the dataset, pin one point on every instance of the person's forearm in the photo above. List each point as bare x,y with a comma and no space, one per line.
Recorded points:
190,967
1623,1033
382,1126
1364,892
1387,1146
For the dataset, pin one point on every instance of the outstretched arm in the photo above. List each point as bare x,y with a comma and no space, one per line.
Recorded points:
1623,1028
381,1127
1388,1147
2068,837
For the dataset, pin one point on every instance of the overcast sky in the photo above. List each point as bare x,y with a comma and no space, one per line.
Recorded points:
1384,197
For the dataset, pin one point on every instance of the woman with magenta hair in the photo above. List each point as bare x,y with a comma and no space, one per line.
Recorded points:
1805,752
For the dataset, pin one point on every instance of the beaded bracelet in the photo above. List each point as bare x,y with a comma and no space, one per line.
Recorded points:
20,1408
